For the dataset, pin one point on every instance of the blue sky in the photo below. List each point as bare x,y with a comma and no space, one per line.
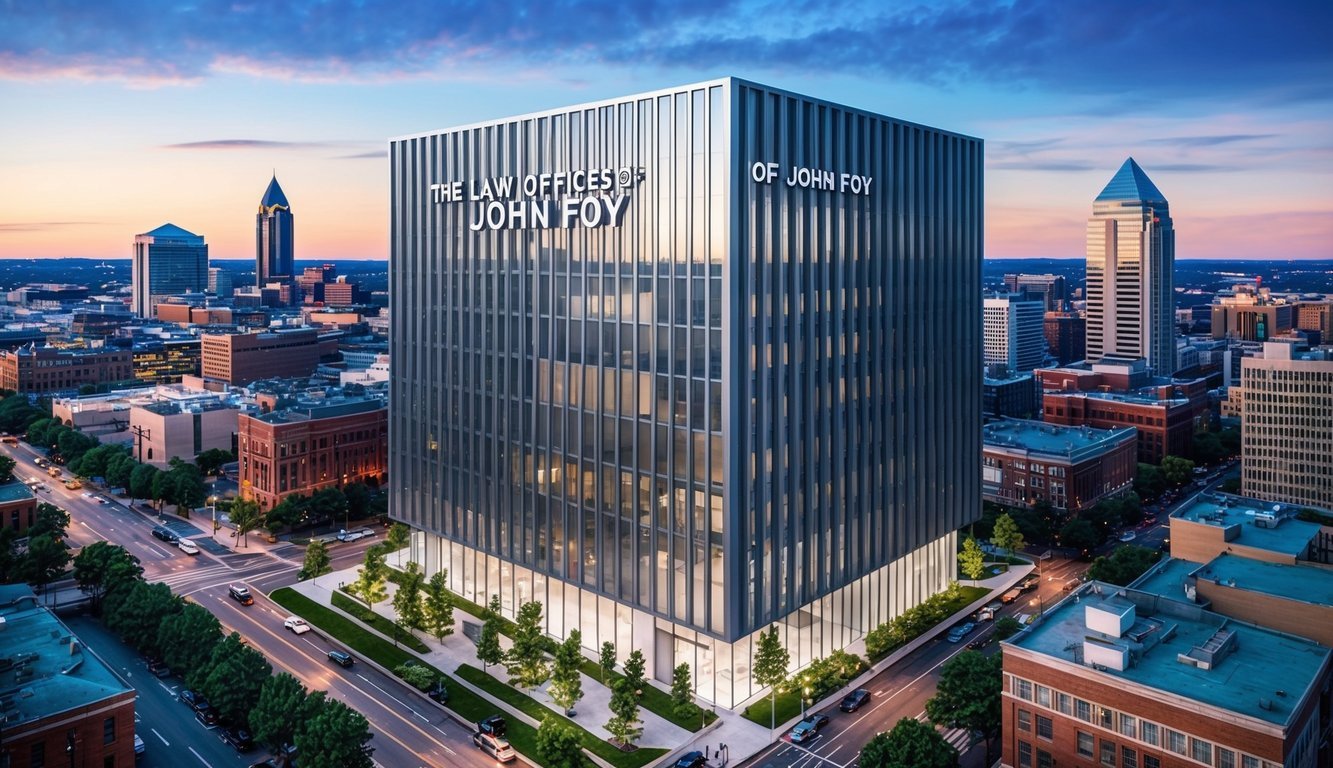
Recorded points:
123,115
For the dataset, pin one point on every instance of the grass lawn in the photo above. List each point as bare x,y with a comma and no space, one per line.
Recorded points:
788,706
377,622
529,706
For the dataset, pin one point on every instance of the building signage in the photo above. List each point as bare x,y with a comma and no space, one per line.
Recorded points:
812,178
594,197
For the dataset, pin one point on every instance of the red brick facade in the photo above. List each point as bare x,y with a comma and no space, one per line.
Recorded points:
245,357
46,369
280,456
98,734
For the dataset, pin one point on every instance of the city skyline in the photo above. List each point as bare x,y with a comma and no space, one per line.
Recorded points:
1231,119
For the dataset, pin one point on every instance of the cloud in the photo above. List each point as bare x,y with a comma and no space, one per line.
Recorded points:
377,155
1040,165
1193,167
42,226
1150,55
1209,141
227,144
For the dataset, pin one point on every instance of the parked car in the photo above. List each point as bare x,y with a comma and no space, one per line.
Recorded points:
1011,595
241,594
296,624
1030,583
807,728
341,658
158,668
695,759
1071,585
138,746
239,738
192,699
188,547
495,746
854,700
493,725
961,631
207,716
165,534
1127,536
985,613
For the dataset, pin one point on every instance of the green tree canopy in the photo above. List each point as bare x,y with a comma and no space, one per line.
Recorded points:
566,686
526,659
437,608
335,735
972,560
136,618
370,578
142,480
968,694
1007,536
7,469
559,745
624,724
1079,534
187,639
1149,482
234,678
635,671
245,516
49,521
682,692
358,500
100,566
210,461
271,720
399,535
1126,563
46,560
1177,471
606,659
771,660
316,562
911,744
488,644
407,599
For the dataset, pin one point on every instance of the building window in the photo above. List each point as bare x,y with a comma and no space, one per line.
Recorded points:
1065,703
1129,758
1044,727
1175,741
1023,689
1085,744
1128,725
1108,754
1083,711
1150,761
1024,755
109,730
1201,750
1044,759
1246,762
37,758
1225,758
1044,696
1149,733
1024,720
1107,718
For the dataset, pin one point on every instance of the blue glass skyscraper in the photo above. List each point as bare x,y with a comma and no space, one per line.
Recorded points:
274,259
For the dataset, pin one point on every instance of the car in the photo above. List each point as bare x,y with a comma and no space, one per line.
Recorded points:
1011,595
238,738
341,658
138,745
296,624
807,728
961,631
158,668
241,594
978,642
854,700
1030,583
345,535
188,547
495,746
439,693
207,716
1071,585
985,614
165,534
695,759
493,725
1127,536
191,699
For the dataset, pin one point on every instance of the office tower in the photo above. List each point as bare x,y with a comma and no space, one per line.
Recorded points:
1049,288
1131,255
274,260
660,363
1014,332
1066,335
1285,428
219,283
167,261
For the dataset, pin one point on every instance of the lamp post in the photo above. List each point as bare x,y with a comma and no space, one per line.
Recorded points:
805,694
213,510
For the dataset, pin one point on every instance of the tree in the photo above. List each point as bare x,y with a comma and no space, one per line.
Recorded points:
1149,482
634,671
210,461
1126,563
771,660
137,616
46,559
358,500
244,515
606,660
437,608
1206,448
972,560
1079,534
415,675
526,660
911,744
1177,471
142,480
968,695
186,485
316,560
100,566
271,720
335,735
119,468
370,577
398,537
7,469
1007,536
234,678
187,639
1006,626
50,520
624,724
1230,438
288,512
682,692
488,644
327,504
559,745
407,600
566,682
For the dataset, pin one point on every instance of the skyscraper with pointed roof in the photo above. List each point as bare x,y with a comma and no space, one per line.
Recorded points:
167,261
1131,260
274,260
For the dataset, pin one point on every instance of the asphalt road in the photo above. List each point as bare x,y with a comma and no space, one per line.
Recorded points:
410,730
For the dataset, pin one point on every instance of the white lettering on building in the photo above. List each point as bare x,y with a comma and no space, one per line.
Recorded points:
803,177
594,197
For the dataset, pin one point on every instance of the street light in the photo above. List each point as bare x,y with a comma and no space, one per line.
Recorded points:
805,694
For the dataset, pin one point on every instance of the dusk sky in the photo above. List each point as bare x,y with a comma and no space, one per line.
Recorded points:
120,116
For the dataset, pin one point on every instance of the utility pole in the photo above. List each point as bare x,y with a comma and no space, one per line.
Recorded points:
139,434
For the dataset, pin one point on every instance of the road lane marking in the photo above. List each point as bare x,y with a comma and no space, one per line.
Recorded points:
201,757
160,736
84,523
390,695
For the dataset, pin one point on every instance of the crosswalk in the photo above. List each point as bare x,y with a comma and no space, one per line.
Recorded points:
213,576
959,738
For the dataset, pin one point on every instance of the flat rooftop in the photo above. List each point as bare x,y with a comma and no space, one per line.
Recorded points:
308,412
1290,536
1130,398
1261,664
14,491
1301,583
1051,439
44,669
1168,578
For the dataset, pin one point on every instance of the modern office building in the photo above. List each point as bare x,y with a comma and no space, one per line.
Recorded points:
1014,333
1008,394
274,230
662,362
166,361
45,370
167,261
1071,468
1251,316
1049,288
240,358
1286,425
1066,336
219,283
1131,259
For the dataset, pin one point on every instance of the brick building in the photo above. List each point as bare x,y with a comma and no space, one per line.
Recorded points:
1071,467
60,703
309,447
240,358
40,370
18,507
1120,677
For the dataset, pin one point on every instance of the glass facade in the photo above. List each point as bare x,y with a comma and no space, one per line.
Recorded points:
640,377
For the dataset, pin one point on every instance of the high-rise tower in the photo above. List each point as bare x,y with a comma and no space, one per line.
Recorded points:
273,238
1131,258
166,262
